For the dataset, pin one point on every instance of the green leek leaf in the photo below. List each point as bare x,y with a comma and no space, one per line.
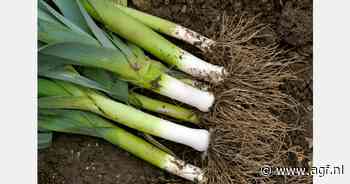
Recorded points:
44,140
49,32
116,88
63,20
70,10
97,79
99,34
44,15
86,55
73,121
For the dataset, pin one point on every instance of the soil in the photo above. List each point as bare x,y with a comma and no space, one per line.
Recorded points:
74,159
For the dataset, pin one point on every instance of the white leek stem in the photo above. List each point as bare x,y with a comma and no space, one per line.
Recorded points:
197,67
185,93
192,37
187,171
195,138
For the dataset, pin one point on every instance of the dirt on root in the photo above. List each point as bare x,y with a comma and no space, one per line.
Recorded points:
275,135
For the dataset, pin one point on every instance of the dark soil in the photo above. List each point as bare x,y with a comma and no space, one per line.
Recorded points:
76,159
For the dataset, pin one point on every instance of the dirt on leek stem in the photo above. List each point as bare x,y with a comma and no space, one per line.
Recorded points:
136,32
85,123
144,72
86,99
170,28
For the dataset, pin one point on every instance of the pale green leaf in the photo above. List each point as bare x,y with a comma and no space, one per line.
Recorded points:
156,143
123,47
65,102
138,52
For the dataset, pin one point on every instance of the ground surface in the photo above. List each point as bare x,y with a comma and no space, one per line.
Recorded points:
82,160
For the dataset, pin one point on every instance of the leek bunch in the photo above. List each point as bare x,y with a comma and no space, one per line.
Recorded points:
88,73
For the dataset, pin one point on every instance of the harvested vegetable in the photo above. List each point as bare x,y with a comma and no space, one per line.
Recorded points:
142,101
70,96
170,28
139,71
85,123
106,63
131,29
104,81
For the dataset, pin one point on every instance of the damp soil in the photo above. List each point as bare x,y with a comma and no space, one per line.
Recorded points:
74,159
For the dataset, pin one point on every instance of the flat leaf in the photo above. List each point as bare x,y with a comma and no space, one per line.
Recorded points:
48,87
88,55
71,11
44,140
116,88
65,102
105,81
49,32
99,34
123,47
138,52
87,119
61,73
46,62
40,45
63,20
156,143
44,15
65,125
73,121
51,66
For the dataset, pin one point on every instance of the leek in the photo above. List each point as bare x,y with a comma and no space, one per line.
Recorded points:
86,99
85,123
131,29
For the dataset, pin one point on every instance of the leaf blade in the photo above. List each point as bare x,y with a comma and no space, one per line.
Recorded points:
49,32
102,80
44,140
63,20
70,10
99,34
117,88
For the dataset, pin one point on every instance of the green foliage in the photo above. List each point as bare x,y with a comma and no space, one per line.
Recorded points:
71,11
62,19
73,121
44,140
96,78
114,87
98,33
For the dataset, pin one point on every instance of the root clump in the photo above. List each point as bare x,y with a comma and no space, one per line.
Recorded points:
247,129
